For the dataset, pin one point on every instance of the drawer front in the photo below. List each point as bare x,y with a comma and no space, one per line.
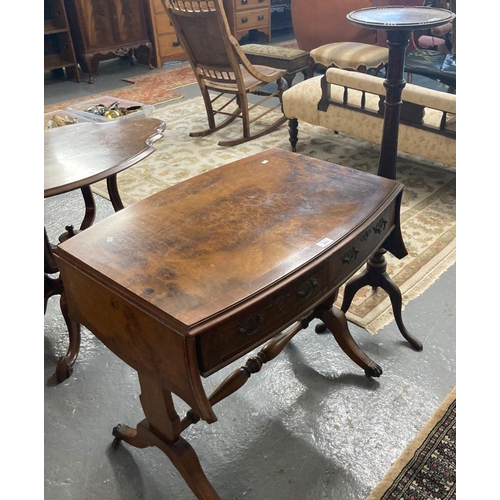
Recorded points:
163,24
243,331
250,4
157,6
350,258
252,19
169,45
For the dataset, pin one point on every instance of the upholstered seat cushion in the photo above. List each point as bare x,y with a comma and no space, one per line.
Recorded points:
351,55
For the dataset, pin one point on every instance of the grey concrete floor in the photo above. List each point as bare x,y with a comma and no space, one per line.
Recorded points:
309,426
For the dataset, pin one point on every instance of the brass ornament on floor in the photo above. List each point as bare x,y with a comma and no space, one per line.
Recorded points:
112,111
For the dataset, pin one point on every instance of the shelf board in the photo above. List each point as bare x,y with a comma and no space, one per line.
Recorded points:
54,61
51,26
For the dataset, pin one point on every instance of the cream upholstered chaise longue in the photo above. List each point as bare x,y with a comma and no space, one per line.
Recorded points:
351,103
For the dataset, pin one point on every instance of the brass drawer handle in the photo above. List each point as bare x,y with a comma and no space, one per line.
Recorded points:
380,226
350,256
307,288
251,325
260,18
176,44
244,20
244,2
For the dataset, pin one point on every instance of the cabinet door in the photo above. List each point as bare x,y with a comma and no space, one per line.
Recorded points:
130,21
105,24
91,24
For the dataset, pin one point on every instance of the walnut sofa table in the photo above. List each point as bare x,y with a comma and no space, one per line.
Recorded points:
186,281
77,156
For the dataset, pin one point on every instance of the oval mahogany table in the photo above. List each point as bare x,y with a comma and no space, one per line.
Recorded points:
76,156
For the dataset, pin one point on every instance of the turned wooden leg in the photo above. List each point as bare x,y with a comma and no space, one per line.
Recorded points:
293,132
336,322
238,378
162,429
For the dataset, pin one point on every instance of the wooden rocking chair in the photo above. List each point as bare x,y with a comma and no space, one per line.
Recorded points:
221,66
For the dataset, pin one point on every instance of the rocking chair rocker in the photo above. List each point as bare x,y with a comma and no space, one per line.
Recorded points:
221,67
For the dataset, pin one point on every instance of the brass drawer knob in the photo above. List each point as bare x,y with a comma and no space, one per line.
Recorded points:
251,325
350,256
380,226
307,288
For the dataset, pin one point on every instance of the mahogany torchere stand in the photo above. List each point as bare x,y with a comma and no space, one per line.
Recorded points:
398,22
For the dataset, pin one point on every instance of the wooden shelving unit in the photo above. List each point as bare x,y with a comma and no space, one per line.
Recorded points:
58,45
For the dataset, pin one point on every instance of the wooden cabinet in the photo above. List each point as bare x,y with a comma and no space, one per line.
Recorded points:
166,46
58,45
246,15
102,29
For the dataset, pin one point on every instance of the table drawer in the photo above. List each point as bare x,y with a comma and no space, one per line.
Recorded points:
169,45
252,19
349,259
250,4
158,6
163,24
243,331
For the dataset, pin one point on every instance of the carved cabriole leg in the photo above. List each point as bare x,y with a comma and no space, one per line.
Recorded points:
65,363
90,208
375,275
336,322
54,286
114,194
162,428
293,132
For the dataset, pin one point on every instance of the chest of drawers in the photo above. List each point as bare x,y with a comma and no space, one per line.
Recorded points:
166,46
246,15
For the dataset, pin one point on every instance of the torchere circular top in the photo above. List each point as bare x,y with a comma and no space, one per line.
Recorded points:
400,17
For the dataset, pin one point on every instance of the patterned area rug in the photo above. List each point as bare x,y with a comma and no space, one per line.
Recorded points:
154,87
169,77
427,468
428,211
